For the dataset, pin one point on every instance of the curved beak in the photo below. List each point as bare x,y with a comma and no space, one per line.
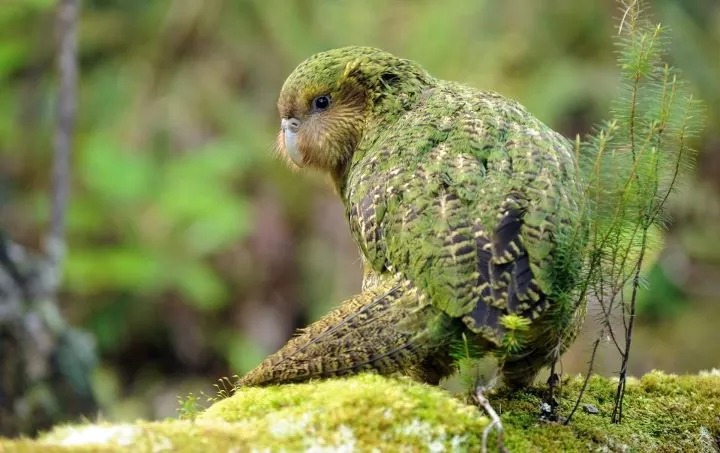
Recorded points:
290,127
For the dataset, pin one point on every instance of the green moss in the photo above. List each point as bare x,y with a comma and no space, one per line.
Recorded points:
364,411
662,413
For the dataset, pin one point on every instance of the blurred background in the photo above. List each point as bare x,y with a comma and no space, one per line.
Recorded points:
193,252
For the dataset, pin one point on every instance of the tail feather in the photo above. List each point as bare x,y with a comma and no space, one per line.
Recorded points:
388,329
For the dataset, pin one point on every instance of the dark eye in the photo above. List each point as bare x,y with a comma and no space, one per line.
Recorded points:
321,102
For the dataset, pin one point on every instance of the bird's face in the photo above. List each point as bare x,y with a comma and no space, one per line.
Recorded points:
321,120
329,100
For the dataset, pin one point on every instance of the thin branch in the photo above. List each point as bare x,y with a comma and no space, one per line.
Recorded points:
607,311
678,162
553,381
7,263
587,379
495,423
67,68
620,394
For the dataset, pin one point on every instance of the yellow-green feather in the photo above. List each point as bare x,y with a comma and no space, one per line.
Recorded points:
463,199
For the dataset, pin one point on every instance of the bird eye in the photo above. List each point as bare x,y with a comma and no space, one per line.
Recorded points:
321,102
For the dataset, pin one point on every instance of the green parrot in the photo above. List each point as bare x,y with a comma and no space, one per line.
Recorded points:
465,209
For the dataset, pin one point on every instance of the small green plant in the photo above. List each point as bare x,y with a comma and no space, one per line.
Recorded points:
465,355
225,387
630,167
189,406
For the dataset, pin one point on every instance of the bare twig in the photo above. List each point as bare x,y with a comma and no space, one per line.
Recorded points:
495,423
67,14
48,365
7,263
552,382
587,379
620,394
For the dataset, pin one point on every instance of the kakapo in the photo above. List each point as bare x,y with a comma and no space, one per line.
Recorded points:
465,209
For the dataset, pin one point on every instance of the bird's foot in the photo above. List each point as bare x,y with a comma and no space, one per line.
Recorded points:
495,422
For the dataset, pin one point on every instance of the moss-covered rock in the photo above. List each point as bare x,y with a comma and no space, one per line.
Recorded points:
662,413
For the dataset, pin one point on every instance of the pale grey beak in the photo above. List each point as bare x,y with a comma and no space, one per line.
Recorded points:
290,127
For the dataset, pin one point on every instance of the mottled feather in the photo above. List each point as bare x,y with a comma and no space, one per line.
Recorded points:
461,203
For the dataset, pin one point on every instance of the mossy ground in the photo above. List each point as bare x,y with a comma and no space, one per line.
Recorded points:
662,413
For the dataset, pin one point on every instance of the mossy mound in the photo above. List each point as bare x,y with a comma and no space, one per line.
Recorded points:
663,413
362,413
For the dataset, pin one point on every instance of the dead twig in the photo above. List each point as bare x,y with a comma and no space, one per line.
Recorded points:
585,382
495,424
67,69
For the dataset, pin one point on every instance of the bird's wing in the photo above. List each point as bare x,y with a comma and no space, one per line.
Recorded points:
473,219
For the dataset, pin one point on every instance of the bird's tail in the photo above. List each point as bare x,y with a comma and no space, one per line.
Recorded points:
389,328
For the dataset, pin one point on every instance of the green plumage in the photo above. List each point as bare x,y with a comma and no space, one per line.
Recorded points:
466,210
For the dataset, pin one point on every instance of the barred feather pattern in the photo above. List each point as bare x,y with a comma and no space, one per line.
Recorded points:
383,330
470,198
466,212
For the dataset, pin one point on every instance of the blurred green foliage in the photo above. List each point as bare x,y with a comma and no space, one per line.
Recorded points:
192,250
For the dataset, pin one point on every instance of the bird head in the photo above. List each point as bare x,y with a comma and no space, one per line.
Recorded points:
327,102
